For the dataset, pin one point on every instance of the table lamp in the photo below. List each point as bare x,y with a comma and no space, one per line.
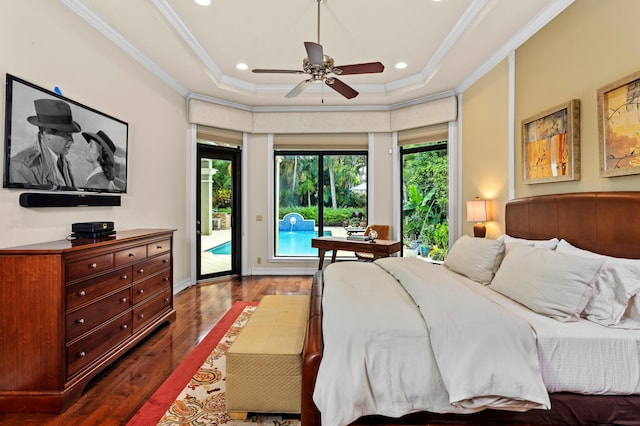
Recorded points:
477,212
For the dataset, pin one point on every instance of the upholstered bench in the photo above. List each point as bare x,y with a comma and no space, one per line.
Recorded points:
264,363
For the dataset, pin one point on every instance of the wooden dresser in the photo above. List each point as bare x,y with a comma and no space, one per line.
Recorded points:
72,307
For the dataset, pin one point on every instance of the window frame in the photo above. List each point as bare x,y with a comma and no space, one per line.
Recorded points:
321,153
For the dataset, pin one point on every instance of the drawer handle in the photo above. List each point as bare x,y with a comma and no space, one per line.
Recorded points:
159,247
93,265
165,261
165,279
140,291
80,321
141,271
123,300
166,299
81,354
123,277
124,326
140,316
132,255
82,293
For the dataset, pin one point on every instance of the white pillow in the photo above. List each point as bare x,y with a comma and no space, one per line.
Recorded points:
631,317
547,282
548,244
618,281
477,258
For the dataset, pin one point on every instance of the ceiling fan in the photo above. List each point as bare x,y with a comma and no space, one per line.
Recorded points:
319,67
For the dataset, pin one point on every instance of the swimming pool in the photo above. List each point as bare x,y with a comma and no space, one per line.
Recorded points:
297,243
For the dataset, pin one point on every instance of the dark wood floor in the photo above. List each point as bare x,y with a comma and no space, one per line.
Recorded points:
119,392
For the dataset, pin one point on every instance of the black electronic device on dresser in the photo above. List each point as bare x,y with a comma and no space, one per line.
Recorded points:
92,230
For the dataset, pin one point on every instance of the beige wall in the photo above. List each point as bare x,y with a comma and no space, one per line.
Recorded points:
589,45
592,43
381,180
43,42
485,138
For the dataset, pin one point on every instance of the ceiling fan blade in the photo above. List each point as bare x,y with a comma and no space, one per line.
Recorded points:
314,53
342,88
366,68
265,71
298,89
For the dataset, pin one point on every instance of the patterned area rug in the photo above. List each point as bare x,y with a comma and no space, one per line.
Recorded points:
202,400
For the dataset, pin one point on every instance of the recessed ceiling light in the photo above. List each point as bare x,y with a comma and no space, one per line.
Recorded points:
203,2
401,65
242,66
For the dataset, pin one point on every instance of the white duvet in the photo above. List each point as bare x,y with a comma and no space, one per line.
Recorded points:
414,347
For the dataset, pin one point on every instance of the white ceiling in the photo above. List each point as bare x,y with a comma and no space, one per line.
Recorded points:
447,44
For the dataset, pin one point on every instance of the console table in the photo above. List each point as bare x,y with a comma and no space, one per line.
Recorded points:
72,307
379,248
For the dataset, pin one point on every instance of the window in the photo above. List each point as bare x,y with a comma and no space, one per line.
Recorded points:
317,193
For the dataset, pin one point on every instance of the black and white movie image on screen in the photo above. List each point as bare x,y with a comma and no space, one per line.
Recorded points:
39,121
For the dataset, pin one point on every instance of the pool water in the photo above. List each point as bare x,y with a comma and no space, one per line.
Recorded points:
224,248
297,243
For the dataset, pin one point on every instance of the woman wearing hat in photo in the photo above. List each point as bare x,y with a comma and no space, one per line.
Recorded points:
44,162
101,155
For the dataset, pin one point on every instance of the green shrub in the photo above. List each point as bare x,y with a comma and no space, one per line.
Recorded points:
332,217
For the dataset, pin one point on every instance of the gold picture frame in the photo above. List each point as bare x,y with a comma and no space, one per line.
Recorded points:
551,144
619,127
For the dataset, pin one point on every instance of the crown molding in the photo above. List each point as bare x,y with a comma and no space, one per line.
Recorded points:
234,84
84,12
532,27
174,20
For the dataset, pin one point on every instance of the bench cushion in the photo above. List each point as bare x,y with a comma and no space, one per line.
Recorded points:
264,363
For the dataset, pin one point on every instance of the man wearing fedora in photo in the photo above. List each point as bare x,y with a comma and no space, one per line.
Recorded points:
44,162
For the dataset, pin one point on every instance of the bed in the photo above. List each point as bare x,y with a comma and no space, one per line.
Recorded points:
558,385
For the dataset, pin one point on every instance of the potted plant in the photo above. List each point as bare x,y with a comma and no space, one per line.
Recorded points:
411,247
437,253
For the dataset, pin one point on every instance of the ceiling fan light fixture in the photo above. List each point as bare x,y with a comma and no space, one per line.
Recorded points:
242,66
318,66
401,65
203,2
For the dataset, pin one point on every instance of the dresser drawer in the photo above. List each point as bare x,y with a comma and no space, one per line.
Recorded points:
96,344
86,291
129,255
159,247
86,267
151,266
84,319
146,288
151,309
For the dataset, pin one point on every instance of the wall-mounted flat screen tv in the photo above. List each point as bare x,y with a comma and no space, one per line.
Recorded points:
56,144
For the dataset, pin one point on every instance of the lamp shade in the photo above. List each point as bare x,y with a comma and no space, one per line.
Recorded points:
477,211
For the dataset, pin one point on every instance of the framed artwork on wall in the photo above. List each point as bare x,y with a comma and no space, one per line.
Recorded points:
551,144
619,127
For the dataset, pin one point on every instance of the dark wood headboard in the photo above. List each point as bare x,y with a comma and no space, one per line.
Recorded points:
602,222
